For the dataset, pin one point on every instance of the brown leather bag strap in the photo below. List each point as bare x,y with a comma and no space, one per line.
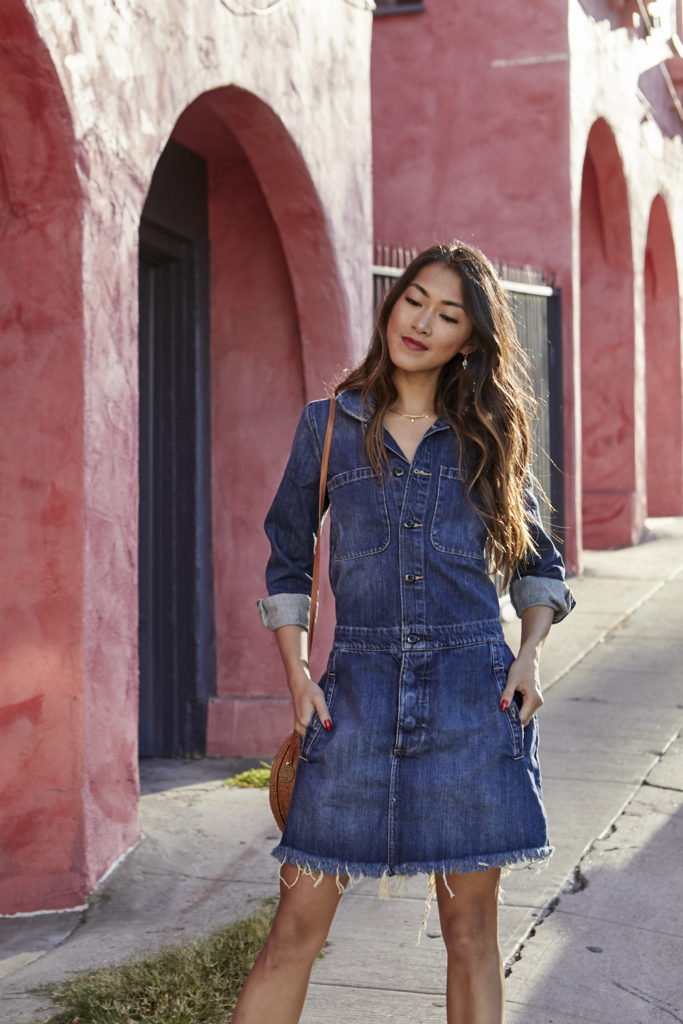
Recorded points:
313,614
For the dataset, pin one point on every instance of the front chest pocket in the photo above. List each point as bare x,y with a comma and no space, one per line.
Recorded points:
456,527
359,522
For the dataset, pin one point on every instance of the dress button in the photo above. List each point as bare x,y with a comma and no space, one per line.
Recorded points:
409,524
409,577
409,677
412,638
398,471
409,723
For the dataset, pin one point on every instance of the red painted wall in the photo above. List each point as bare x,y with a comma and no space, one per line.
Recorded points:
270,350
613,516
71,195
471,140
42,857
663,369
257,393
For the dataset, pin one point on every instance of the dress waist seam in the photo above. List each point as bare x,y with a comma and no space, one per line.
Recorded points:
417,637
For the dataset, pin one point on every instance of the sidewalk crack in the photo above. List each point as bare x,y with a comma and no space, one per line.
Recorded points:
657,785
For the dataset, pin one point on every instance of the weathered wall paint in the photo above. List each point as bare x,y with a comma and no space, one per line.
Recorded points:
127,74
663,370
41,382
471,141
611,513
612,68
480,129
274,284
257,392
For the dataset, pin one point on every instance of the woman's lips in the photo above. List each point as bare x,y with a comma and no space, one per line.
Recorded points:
415,346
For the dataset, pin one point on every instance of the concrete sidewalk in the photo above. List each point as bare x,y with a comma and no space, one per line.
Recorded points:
597,936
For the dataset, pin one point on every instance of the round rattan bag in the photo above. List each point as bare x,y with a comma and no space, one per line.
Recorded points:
282,776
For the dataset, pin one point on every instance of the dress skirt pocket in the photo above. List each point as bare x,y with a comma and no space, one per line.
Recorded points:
327,685
421,771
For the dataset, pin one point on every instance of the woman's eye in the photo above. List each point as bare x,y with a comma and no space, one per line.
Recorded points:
448,319
412,302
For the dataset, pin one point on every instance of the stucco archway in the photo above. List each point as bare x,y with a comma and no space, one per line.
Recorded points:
612,509
663,368
278,331
41,351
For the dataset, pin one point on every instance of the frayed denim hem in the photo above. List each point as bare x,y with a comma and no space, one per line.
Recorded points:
394,883
318,866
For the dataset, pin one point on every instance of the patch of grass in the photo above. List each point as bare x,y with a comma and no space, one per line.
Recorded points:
254,778
192,984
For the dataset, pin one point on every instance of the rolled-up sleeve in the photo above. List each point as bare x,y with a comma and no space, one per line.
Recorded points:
284,610
291,526
540,579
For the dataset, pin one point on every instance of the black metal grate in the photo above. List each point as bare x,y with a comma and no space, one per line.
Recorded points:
397,7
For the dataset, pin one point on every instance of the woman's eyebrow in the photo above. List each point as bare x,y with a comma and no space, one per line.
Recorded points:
444,302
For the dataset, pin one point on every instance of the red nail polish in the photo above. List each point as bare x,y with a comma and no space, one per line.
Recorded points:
504,705
328,724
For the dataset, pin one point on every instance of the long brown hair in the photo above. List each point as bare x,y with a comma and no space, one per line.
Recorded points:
487,403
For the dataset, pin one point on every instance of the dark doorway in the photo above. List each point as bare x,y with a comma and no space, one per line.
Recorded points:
177,630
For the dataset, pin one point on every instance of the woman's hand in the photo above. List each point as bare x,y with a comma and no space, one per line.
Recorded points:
523,676
307,697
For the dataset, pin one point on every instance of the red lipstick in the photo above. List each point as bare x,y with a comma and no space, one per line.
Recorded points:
415,346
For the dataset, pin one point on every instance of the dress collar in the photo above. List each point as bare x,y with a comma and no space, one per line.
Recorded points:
351,402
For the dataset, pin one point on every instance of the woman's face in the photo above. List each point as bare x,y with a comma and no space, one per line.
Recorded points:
429,325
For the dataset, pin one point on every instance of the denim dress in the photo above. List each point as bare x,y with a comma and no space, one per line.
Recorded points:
421,771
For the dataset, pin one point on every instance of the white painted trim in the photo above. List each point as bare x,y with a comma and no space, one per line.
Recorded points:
528,289
81,906
381,271
518,62
119,860
38,913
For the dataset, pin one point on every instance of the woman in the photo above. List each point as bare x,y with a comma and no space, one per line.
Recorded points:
419,745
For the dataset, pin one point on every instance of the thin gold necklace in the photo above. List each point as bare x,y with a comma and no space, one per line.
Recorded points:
417,416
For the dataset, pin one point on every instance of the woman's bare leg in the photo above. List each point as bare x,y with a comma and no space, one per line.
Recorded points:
276,987
469,924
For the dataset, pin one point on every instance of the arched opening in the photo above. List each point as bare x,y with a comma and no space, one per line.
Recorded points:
664,390
43,862
276,320
613,511
175,570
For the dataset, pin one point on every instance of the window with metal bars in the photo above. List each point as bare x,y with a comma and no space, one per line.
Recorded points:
397,7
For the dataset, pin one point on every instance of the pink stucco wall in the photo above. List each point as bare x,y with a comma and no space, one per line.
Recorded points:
663,369
41,378
612,514
623,118
486,139
471,140
81,129
278,332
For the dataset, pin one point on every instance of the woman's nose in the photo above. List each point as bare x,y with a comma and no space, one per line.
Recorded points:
421,322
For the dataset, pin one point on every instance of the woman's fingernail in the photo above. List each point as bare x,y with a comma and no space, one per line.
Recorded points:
328,724
504,705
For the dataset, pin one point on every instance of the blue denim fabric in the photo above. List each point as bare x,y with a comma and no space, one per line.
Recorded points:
421,771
